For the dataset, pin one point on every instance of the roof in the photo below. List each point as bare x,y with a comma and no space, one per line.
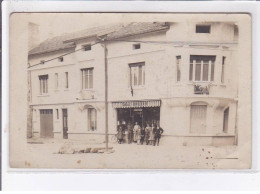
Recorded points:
111,32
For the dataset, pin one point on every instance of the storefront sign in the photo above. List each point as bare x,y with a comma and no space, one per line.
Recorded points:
137,104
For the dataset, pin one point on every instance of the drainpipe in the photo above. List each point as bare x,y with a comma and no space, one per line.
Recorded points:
106,95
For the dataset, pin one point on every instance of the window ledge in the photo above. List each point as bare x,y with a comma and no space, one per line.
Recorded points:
223,85
138,87
56,90
87,90
67,89
43,95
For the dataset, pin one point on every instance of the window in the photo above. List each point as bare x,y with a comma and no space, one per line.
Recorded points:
87,78
202,68
92,119
136,46
86,47
66,80
56,81
202,28
178,63
137,74
223,70
225,120
57,114
43,84
60,59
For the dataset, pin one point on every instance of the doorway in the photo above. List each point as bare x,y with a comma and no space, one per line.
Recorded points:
46,122
198,117
65,123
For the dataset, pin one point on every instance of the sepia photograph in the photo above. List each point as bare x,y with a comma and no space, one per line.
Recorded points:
130,91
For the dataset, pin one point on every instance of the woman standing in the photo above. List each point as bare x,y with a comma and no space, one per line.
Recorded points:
120,134
152,132
147,134
138,135
136,127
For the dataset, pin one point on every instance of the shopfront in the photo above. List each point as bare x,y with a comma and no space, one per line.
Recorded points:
142,112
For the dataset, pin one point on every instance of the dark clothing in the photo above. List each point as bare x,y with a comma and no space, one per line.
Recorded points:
158,134
120,134
142,136
130,133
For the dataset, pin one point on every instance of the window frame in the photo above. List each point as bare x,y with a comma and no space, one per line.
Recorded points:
202,31
193,66
90,119
178,68
43,80
86,47
135,77
88,75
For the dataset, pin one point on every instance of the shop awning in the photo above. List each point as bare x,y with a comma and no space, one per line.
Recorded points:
137,104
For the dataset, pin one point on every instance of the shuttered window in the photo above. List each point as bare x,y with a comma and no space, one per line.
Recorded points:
198,115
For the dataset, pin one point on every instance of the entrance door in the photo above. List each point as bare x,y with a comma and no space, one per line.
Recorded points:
46,122
138,116
225,122
65,123
198,118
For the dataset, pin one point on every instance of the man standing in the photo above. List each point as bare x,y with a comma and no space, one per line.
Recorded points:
158,133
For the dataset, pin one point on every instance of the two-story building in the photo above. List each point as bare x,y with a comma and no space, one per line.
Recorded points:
174,74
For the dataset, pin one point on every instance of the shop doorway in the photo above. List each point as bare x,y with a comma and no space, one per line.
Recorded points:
142,116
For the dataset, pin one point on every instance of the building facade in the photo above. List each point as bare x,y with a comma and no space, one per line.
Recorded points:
177,75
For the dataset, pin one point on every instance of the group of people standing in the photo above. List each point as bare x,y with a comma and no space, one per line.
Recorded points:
149,135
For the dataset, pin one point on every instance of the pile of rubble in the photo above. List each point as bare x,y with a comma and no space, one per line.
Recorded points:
66,149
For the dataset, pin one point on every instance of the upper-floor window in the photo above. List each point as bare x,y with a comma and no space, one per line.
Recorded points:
203,29
60,59
178,64
66,80
136,46
137,74
86,47
43,84
56,81
202,68
87,78
223,70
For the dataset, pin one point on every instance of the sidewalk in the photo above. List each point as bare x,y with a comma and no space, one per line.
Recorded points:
42,153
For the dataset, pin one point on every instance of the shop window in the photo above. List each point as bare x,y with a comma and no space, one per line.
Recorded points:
92,119
203,29
137,74
87,78
43,84
202,68
178,64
